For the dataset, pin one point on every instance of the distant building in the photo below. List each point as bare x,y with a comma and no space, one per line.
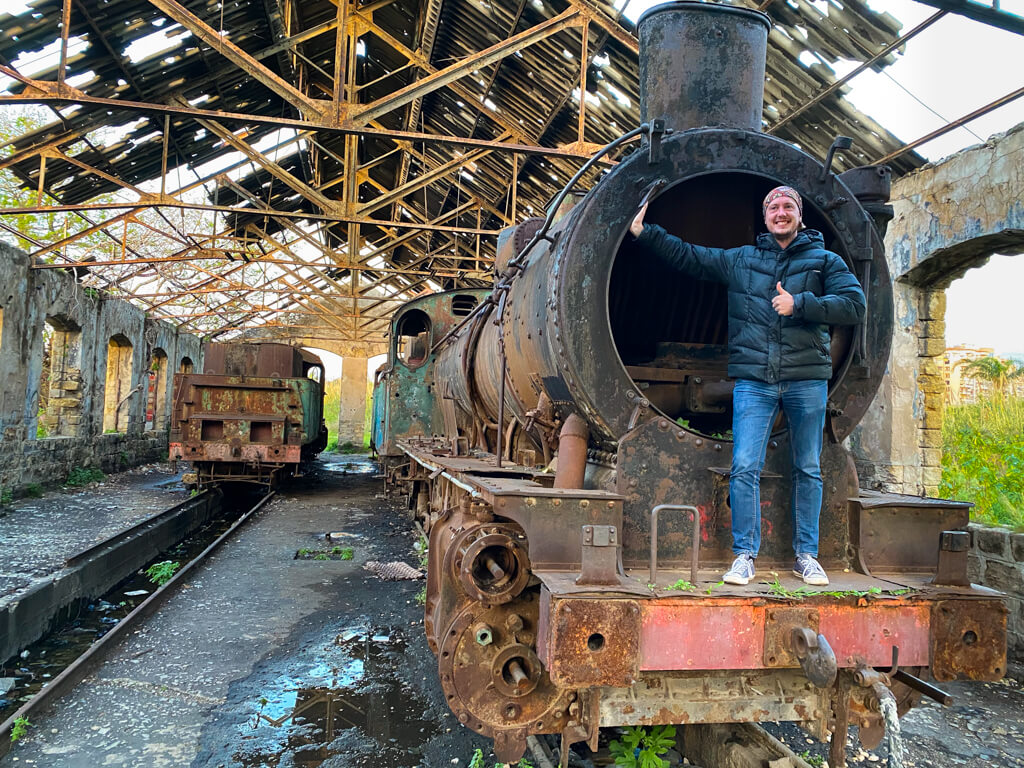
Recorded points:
961,388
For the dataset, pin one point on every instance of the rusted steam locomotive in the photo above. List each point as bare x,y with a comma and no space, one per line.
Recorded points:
253,415
542,429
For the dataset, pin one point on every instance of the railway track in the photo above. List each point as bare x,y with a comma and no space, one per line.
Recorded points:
101,649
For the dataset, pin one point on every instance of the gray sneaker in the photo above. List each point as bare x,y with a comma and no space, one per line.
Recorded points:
808,569
741,571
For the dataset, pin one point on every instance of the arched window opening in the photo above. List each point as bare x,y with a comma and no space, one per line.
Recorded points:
117,393
186,365
60,386
413,337
156,400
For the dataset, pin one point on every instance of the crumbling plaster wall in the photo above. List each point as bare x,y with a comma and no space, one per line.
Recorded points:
949,217
31,297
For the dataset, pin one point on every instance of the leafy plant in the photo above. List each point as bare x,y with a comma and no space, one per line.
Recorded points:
305,552
642,748
983,459
161,573
422,545
347,553
80,476
6,496
477,761
20,728
810,759
682,584
321,556
34,491
713,586
421,596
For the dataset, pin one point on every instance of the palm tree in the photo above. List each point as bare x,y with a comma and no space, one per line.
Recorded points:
999,373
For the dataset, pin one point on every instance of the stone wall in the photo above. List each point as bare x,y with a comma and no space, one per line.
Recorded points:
997,561
950,217
52,410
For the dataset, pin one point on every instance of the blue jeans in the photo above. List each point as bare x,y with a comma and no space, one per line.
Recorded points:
755,405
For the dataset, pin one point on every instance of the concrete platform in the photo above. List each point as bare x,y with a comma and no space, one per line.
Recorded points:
40,539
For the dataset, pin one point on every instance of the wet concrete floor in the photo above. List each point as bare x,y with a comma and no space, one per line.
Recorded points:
282,652
266,659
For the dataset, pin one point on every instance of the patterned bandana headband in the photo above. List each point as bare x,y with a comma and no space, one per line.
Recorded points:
778,192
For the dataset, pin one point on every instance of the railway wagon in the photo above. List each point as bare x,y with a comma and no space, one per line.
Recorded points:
566,445
255,413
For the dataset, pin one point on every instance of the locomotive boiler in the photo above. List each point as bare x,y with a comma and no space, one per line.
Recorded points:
565,440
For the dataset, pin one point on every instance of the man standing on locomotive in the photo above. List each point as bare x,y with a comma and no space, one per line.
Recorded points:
784,292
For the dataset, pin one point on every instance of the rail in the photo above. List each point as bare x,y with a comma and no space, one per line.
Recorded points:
88,661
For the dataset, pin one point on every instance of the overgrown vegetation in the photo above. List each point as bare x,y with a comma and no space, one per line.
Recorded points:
34,491
477,761
19,729
682,584
642,747
161,573
80,476
983,459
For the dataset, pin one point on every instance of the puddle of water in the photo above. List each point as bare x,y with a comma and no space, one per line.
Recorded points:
349,465
352,708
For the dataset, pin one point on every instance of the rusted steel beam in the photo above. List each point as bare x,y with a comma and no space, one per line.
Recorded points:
293,182
465,66
992,105
424,180
174,203
293,40
65,26
312,108
43,92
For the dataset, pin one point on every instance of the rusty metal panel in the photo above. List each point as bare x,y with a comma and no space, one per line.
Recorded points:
592,642
870,631
702,634
894,532
714,697
968,640
271,360
778,630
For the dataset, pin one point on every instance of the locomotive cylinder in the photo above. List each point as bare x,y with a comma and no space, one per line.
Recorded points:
702,65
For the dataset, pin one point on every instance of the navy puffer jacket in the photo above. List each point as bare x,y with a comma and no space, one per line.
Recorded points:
764,345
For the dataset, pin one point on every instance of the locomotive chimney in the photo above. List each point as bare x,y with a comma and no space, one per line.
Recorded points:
702,64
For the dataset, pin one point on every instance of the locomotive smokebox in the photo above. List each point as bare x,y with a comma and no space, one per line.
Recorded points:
702,65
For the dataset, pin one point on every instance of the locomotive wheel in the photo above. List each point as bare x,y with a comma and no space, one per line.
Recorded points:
493,679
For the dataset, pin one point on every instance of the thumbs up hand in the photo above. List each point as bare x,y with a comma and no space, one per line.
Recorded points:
783,303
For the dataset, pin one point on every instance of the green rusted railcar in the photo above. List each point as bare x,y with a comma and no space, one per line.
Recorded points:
254,414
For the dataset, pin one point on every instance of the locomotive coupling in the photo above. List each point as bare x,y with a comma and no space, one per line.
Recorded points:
816,657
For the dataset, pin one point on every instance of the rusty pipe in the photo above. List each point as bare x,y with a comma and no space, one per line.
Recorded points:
572,453
695,549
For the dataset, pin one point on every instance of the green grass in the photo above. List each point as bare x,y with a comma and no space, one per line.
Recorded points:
80,476
983,459
161,573
20,728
